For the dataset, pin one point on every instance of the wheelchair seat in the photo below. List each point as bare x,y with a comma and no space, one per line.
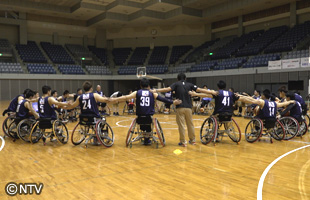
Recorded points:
145,123
225,117
269,123
45,123
87,120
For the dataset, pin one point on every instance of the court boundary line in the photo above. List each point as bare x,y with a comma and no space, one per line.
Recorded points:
263,176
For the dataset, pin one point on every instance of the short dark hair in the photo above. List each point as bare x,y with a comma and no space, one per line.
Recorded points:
221,85
25,91
46,88
30,93
181,76
258,91
266,93
232,89
78,90
66,92
53,92
283,89
204,86
87,86
291,95
144,83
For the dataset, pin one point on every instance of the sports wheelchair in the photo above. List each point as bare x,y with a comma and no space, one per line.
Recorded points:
56,128
6,123
162,108
210,128
207,109
142,128
257,128
129,111
20,128
95,129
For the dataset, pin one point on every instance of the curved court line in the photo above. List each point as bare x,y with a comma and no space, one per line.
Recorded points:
3,143
301,182
262,178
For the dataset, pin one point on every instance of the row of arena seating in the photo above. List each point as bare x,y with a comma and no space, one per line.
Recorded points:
78,51
11,68
98,70
37,68
261,60
30,52
57,53
70,69
139,55
5,46
184,67
177,52
159,55
297,54
151,69
101,53
120,55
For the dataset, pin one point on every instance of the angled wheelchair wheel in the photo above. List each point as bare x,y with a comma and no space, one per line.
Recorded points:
291,127
6,123
131,131
303,128
307,118
125,108
12,130
79,134
104,133
208,130
35,134
160,133
253,130
24,129
278,132
60,131
210,108
233,130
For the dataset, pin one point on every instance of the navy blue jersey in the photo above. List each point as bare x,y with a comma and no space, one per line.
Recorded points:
45,109
21,111
300,99
168,95
145,102
255,97
13,105
269,111
224,102
100,93
296,111
88,105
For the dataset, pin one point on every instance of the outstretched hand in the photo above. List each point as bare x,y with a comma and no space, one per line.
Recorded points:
192,93
215,93
153,91
177,102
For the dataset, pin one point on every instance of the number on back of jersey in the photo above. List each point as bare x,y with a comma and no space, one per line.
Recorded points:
86,104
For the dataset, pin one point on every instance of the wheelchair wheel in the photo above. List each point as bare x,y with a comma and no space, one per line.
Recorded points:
307,120
12,130
253,130
104,133
78,134
130,133
233,132
6,123
303,128
278,132
35,134
291,127
24,129
125,108
60,131
210,108
208,130
159,132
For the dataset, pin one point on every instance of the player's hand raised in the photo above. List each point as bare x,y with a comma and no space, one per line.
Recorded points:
192,93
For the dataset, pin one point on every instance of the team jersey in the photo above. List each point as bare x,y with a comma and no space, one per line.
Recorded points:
299,99
269,110
100,93
296,111
88,105
206,98
224,102
21,111
13,105
45,109
35,106
168,95
145,102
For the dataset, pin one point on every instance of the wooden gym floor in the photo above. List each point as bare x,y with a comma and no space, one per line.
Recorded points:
224,171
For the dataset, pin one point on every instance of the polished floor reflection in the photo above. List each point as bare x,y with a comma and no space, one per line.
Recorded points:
224,171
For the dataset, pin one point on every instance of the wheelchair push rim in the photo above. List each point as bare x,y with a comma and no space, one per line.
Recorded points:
60,131
6,123
291,127
303,128
159,132
130,132
208,130
80,133
234,133
253,130
35,134
278,132
24,129
104,133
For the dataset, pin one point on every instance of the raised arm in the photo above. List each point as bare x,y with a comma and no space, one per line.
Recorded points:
284,104
250,100
75,104
165,100
100,98
195,94
212,92
52,100
162,90
124,98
